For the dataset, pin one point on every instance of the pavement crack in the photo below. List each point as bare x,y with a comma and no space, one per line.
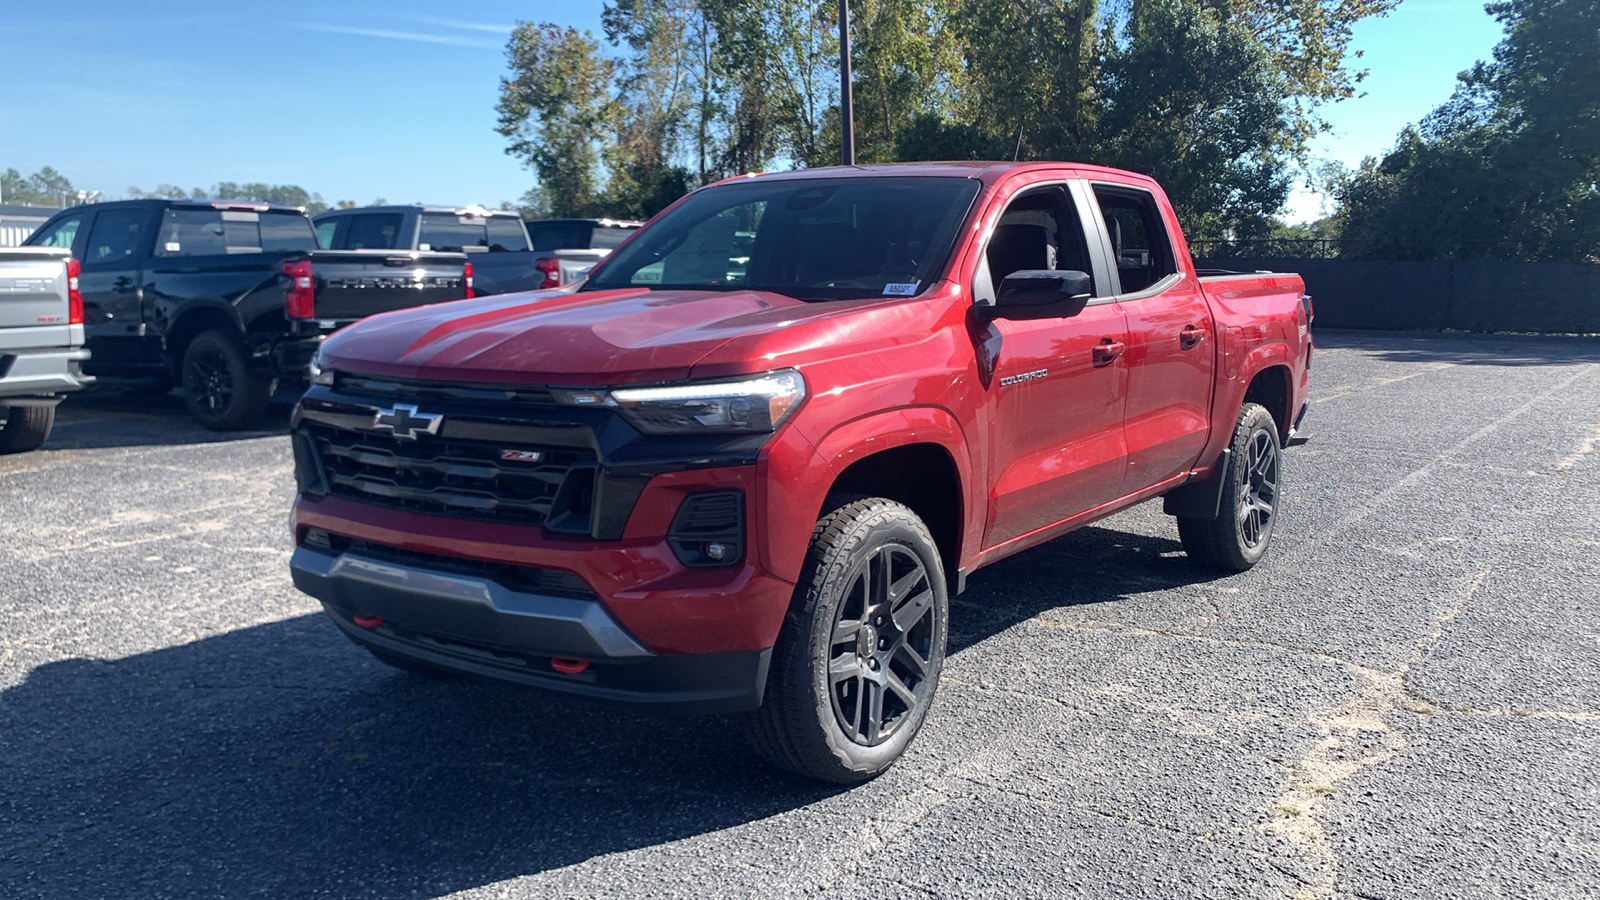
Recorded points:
1354,737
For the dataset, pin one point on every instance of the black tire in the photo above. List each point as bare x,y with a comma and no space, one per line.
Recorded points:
220,387
1237,538
407,664
26,428
851,681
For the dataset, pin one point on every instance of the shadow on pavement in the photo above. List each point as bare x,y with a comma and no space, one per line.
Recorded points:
280,760
1465,349
131,414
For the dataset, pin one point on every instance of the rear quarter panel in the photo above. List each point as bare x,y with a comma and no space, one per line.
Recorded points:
1260,324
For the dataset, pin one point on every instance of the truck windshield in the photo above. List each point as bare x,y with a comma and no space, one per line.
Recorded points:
811,239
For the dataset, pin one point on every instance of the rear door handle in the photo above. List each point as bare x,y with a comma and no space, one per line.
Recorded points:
1191,336
1108,350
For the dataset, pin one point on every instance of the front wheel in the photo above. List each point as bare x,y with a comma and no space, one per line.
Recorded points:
858,658
1237,538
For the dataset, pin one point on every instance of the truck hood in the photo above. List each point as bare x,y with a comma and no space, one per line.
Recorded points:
599,338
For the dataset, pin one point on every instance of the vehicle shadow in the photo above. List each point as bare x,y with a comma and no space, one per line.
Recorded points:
1088,566
1465,349
134,414
280,760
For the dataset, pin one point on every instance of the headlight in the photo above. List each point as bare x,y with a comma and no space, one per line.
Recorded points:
750,405
319,375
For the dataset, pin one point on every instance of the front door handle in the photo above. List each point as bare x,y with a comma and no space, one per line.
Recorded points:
1191,336
1108,350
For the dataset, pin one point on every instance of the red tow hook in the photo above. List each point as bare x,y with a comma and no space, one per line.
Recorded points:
568,666
368,621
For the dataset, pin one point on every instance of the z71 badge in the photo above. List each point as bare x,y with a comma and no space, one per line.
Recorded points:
1025,376
521,455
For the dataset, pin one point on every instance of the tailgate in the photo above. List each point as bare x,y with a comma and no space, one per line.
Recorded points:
33,298
576,263
353,284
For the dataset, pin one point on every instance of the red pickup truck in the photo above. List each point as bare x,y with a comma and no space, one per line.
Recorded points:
742,466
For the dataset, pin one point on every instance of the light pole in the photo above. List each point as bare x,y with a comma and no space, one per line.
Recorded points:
847,128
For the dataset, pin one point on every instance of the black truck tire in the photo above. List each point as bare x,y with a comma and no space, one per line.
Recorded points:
220,387
858,657
1238,537
26,428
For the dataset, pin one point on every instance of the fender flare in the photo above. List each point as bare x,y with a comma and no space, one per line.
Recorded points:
854,440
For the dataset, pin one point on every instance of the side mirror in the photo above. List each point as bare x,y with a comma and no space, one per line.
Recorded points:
1040,294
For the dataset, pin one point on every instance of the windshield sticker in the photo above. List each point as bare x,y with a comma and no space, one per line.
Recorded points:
899,290
173,246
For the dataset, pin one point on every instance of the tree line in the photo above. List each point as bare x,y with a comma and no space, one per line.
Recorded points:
1217,99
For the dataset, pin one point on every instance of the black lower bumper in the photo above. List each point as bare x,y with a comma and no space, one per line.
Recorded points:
479,627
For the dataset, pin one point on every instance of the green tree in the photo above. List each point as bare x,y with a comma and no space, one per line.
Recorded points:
46,187
557,109
1508,167
1191,98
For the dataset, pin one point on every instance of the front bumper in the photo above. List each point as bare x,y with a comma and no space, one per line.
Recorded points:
477,625
41,376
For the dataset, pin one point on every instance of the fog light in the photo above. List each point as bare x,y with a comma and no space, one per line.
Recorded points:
717,552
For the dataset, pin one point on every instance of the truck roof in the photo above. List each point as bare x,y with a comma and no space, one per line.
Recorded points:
468,210
188,203
988,171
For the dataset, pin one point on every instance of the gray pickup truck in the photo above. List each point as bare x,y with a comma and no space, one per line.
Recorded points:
41,342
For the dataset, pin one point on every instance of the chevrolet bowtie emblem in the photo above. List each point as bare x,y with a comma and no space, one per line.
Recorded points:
405,421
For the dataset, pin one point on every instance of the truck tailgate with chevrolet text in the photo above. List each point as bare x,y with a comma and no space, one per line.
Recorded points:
741,467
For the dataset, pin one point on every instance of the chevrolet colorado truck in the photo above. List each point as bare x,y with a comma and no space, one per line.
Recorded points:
503,260
41,342
742,466
226,297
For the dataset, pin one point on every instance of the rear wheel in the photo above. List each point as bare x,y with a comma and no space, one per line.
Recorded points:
220,387
26,428
858,658
1238,537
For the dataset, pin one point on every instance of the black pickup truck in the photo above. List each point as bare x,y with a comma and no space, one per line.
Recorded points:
225,298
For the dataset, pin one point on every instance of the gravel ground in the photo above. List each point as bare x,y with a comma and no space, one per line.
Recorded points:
1402,701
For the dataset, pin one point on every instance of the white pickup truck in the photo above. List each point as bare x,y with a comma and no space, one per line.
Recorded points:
41,342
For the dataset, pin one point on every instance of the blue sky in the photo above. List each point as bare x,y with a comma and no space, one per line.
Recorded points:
396,100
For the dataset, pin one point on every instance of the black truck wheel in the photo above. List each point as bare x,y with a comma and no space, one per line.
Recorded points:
26,428
220,387
858,658
1237,538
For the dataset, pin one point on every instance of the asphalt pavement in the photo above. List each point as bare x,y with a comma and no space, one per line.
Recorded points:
1402,700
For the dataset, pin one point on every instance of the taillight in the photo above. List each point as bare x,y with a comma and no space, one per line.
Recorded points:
466,275
299,303
74,296
552,272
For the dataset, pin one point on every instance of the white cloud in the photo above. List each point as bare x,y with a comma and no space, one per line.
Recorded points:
447,39
463,26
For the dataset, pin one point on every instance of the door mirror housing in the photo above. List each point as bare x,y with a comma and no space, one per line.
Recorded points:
1040,294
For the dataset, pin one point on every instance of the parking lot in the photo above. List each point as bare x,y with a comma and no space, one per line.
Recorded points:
1403,700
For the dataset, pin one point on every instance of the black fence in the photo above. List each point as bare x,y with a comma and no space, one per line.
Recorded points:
1462,295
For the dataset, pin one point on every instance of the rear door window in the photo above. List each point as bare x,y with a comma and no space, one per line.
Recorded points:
1140,246
114,238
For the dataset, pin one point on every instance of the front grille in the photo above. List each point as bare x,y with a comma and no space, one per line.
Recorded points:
472,479
434,394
